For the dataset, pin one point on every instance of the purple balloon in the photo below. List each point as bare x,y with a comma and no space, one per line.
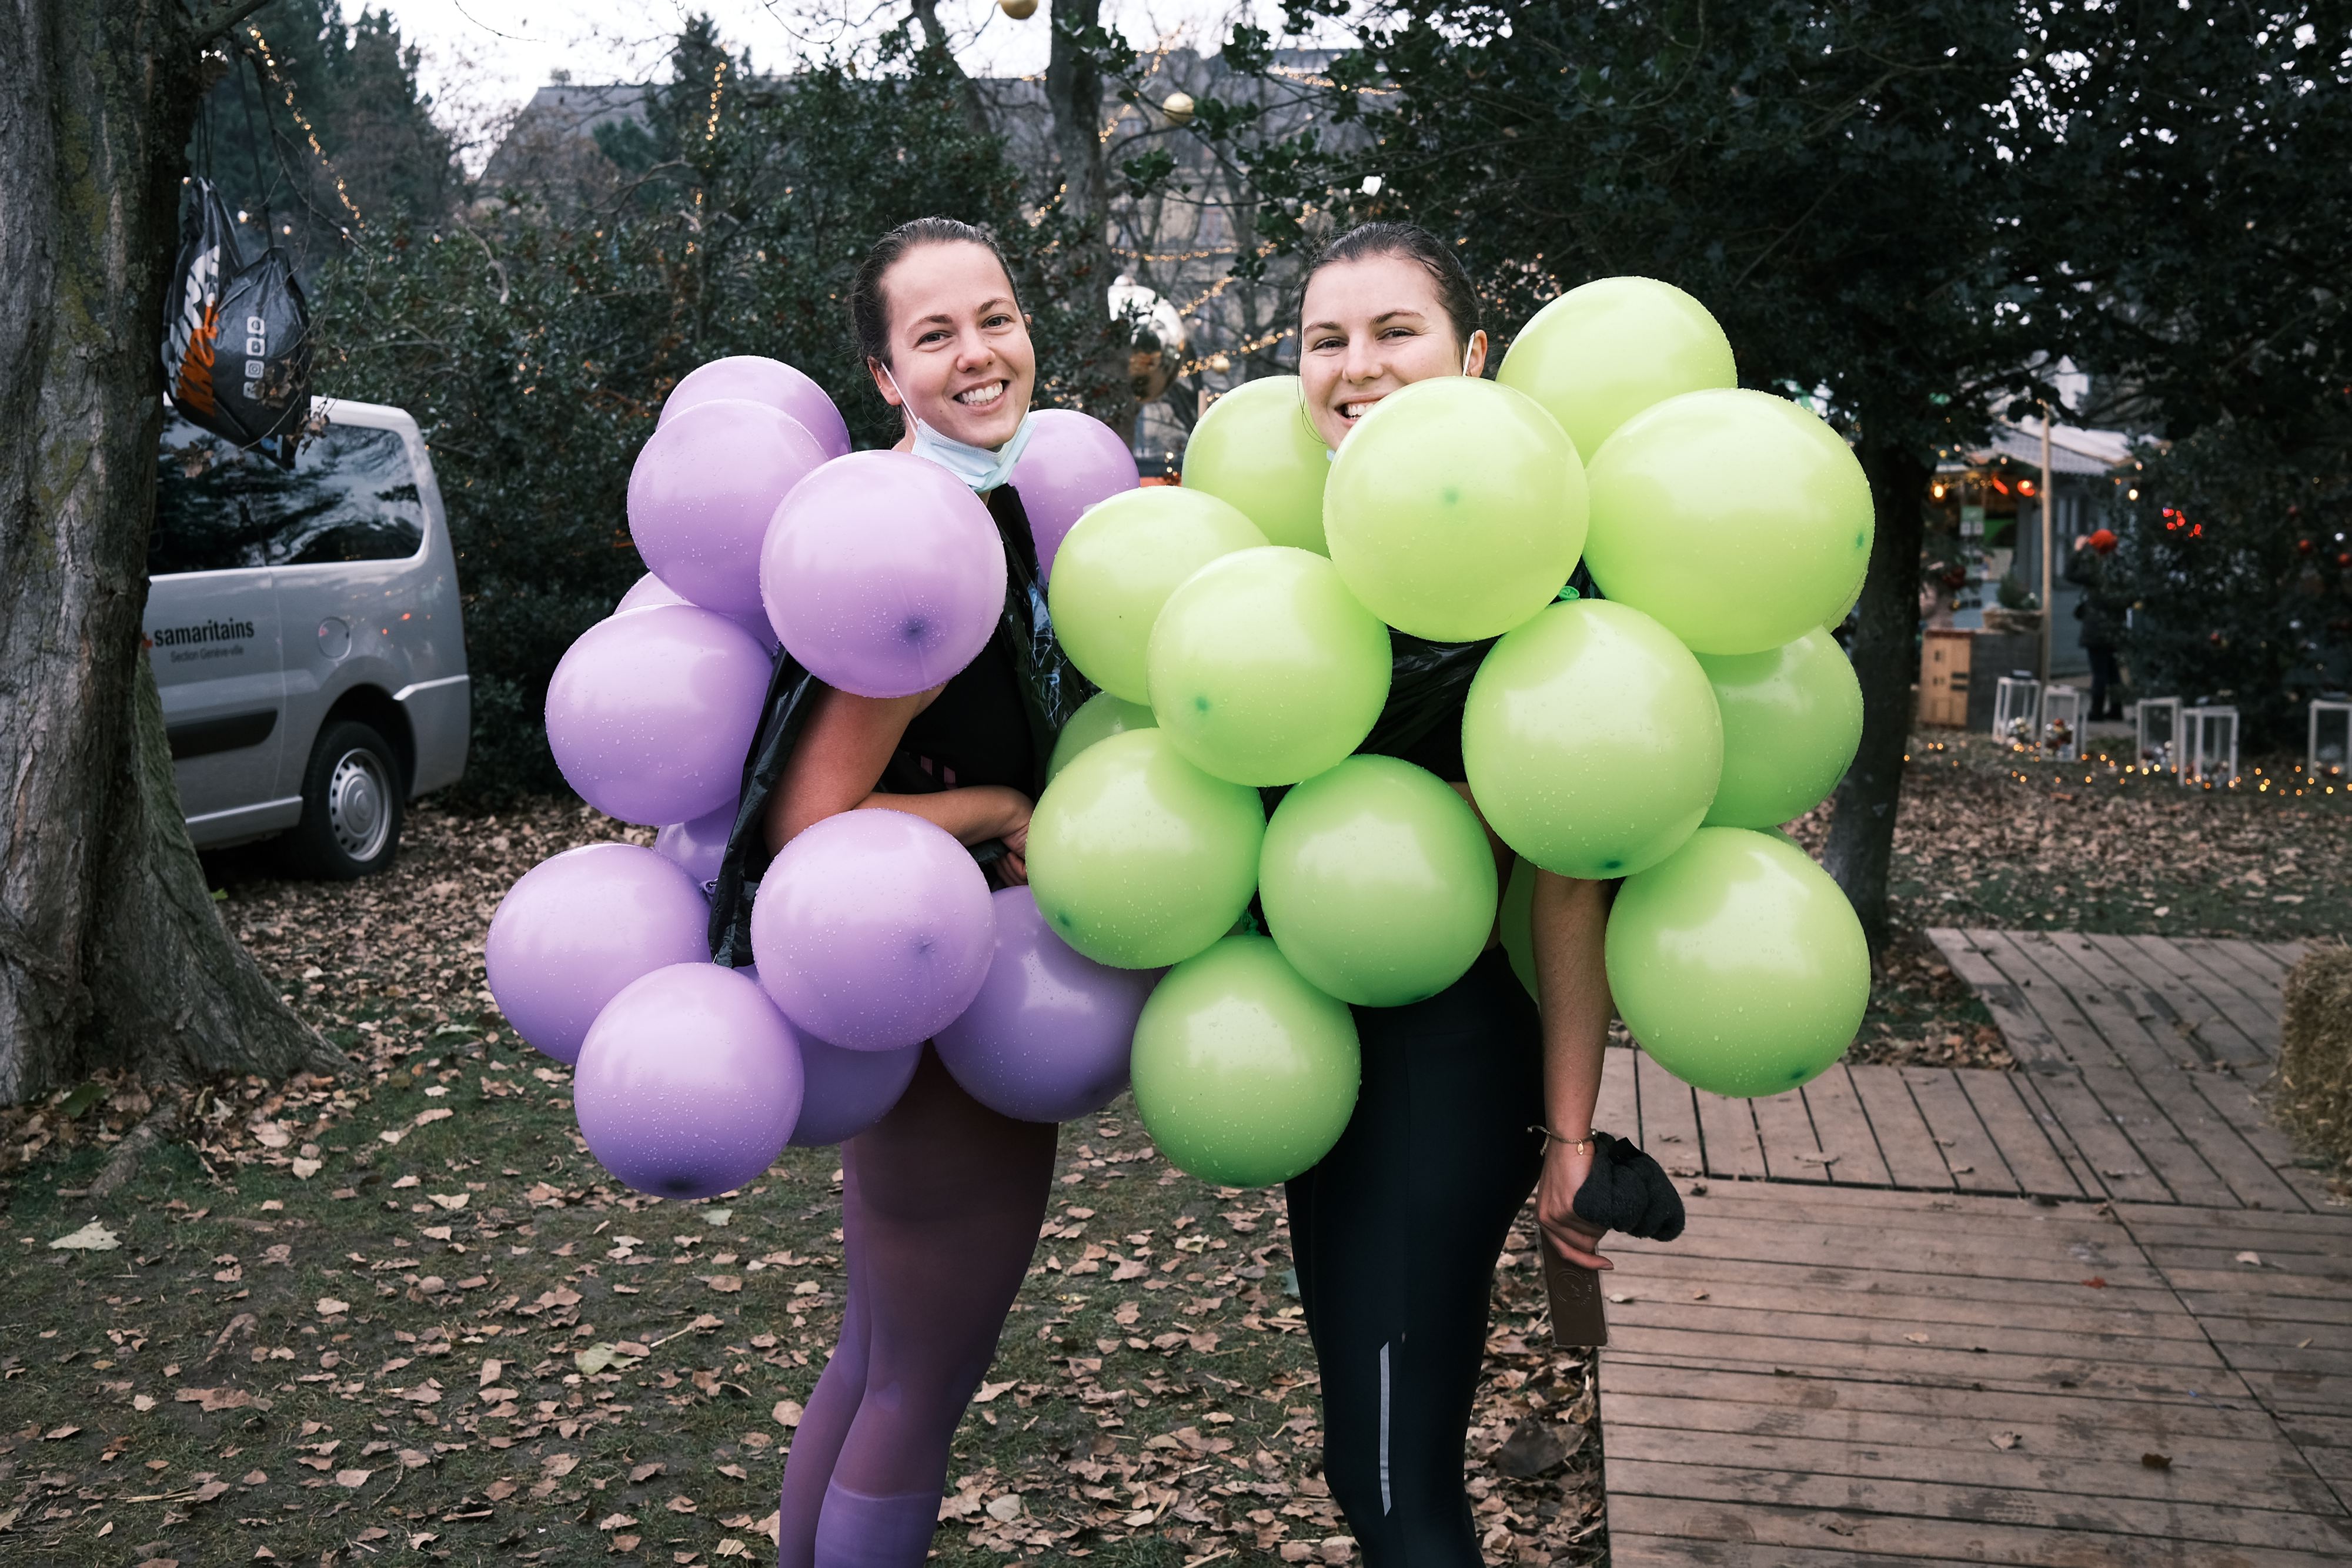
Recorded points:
1072,460
882,574
873,929
1047,1037
767,381
703,490
649,590
697,846
848,1091
689,1083
575,929
649,714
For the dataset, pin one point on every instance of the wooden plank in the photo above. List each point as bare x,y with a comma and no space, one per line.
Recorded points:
1969,1153
1844,1130
2159,1526
2136,1317
2224,1149
1923,1332
2021,1028
1913,1157
1926,1365
1785,1129
2063,1100
2287,1486
2139,1289
1632,1551
1669,1122
2033,1158
1728,1132
2254,1008
2198,1015
2330,1230
2254,974
2285,955
1879,1539
2119,1092
2307,1314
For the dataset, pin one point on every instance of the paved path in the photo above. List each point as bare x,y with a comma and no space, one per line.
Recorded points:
2089,1312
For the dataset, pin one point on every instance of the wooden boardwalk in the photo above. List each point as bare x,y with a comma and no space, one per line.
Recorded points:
2088,1313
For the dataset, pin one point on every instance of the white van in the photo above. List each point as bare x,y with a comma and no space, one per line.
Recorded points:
304,628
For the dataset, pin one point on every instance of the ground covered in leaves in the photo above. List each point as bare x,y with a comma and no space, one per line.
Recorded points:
403,1316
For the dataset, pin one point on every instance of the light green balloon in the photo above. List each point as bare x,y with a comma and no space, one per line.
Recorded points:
1592,740
1118,566
1264,669
1518,923
1098,718
1245,1074
1737,518
1377,882
1738,964
1456,509
1138,858
1791,720
1601,354
1255,449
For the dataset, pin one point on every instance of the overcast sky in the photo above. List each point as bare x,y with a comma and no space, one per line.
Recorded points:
482,57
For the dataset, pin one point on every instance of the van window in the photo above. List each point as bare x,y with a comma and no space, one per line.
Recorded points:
351,496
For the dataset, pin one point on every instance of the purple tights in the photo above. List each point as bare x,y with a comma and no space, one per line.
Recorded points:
942,1201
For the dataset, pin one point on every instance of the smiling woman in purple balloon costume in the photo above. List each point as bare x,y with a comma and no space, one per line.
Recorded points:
942,1198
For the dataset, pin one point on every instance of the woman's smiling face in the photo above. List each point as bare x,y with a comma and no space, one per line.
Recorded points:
1368,327
959,351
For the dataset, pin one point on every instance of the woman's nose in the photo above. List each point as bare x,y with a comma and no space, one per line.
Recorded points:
973,352
1363,364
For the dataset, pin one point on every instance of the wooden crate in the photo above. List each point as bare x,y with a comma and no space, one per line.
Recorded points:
1944,665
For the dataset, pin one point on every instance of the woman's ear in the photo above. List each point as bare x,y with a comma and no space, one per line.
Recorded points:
882,383
1474,361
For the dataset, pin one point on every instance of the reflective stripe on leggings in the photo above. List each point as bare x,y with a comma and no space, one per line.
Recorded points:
1385,1503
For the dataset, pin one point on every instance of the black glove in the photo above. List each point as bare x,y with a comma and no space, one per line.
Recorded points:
1627,1190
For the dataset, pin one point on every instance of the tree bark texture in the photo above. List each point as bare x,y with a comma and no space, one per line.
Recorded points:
1074,89
112,951
1885,655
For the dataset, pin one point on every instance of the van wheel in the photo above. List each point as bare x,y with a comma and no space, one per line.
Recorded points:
350,805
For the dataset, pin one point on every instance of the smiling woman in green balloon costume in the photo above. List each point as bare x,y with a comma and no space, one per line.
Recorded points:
1472,1096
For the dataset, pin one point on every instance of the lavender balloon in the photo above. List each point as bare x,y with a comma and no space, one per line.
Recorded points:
649,714
767,381
698,845
882,574
703,490
689,1083
649,590
873,930
574,929
1047,1036
1072,460
848,1091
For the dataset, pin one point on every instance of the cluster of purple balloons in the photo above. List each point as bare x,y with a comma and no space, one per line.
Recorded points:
874,931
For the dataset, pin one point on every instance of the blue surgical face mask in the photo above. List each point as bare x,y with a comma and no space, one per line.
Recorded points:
978,466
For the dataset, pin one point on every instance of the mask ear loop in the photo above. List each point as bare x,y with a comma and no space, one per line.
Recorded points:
904,403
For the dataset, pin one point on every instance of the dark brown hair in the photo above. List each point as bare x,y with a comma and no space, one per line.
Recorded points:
869,310
1414,244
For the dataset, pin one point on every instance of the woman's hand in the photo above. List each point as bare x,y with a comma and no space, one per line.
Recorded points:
1014,836
1565,1168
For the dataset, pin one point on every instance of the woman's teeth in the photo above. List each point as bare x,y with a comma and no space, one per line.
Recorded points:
1356,410
981,396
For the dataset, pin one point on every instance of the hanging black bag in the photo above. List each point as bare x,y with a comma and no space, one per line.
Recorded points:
237,335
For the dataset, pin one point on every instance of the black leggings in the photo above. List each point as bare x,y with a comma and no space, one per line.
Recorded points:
1396,1233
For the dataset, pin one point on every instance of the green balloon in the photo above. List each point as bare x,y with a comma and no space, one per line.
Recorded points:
1739,519
1517,920
1245,1074
1098,718
1456,509
1138,858
1738,964
1377,882
1599,354
1255,450
1592,740
1791,720
1118,566
1264,669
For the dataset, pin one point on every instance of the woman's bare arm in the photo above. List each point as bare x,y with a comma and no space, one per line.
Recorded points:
840,758
1570,918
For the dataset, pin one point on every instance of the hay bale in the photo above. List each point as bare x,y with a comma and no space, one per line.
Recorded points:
2315,1070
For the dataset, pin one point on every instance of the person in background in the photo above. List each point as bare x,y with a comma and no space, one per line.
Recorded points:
2101,618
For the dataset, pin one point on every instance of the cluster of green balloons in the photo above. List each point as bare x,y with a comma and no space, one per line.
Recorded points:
1240,628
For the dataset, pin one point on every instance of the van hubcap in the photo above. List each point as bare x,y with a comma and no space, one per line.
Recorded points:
359,800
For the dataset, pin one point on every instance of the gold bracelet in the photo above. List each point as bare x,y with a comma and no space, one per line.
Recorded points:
1580,1145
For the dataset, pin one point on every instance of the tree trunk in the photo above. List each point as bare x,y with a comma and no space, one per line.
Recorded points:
1074,90
1886,657
112,951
